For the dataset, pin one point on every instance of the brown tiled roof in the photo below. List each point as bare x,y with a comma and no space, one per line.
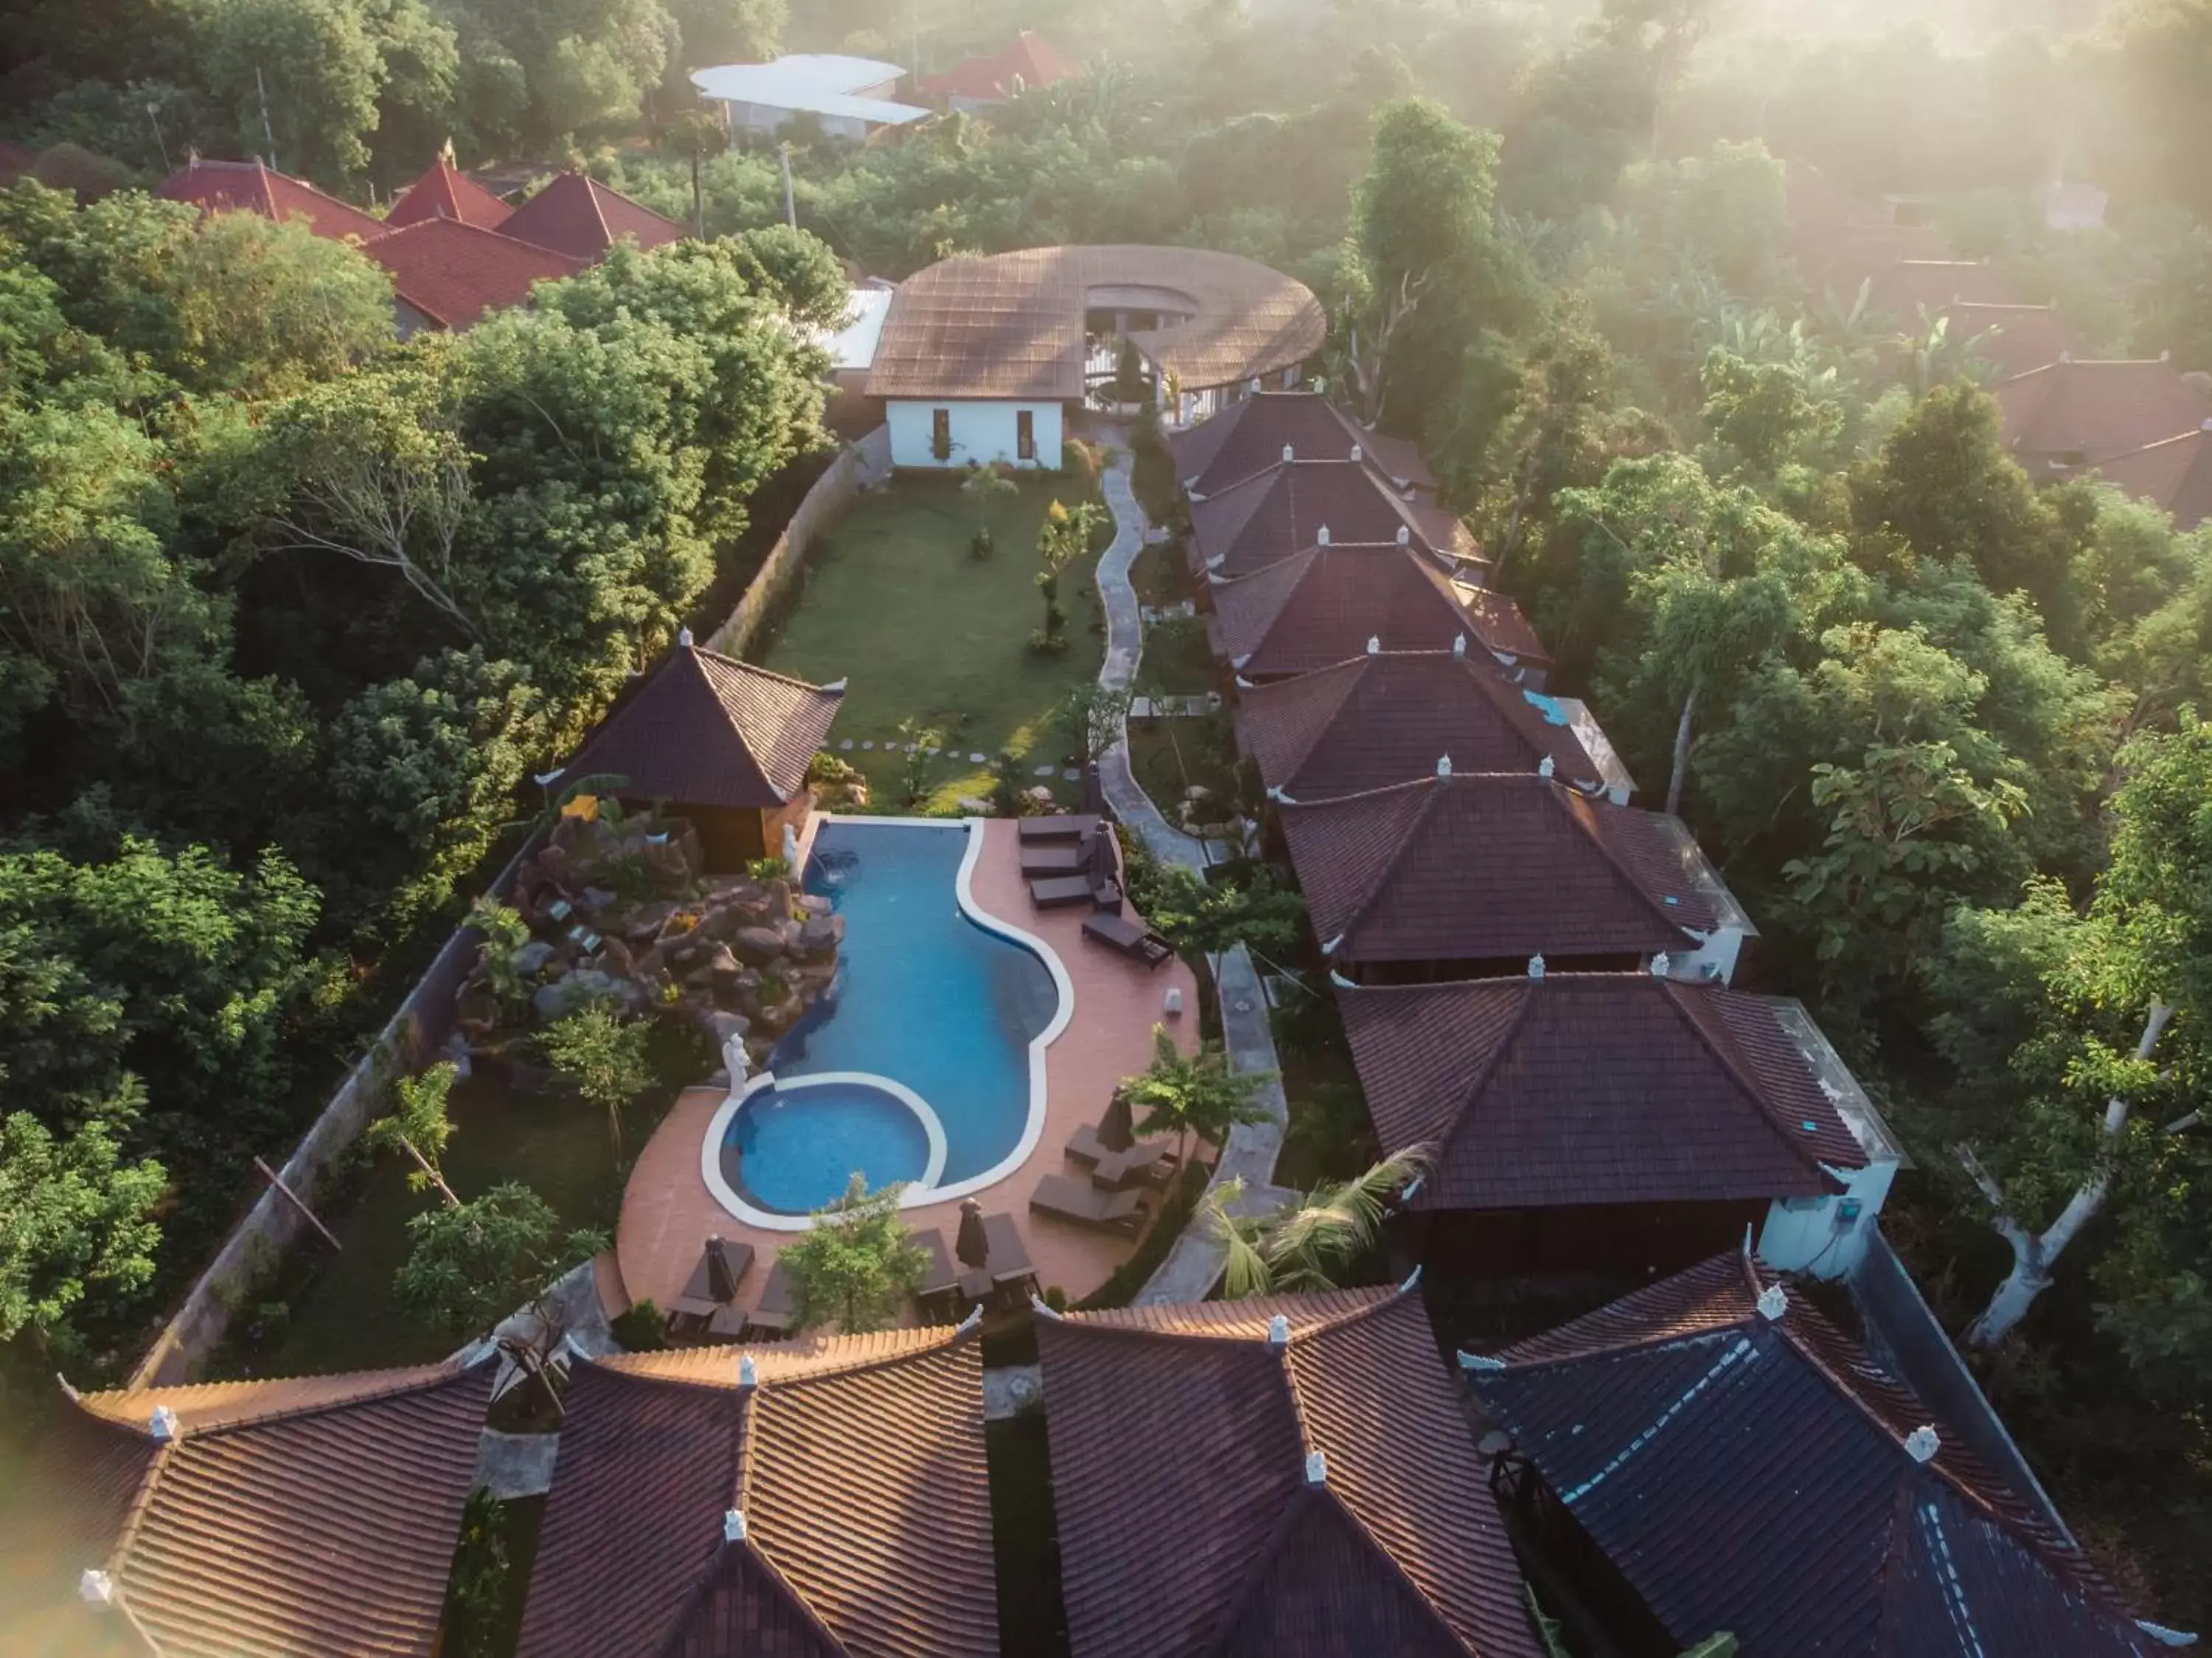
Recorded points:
285,1517
1011,325
1229,1550
1030,62
1319,606
1838,258
446,192
2096,410
2013,338
250,187
578,215
1377,720
856,1463
1751,1474
1498,868
706,729
1499,624
1581,1088
1903,291
1286,510
1249,436
453,273
2176,472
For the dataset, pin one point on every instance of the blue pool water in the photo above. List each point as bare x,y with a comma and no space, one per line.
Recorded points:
926,998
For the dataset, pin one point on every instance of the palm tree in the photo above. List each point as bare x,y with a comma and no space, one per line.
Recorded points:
1194,1095
1313,1245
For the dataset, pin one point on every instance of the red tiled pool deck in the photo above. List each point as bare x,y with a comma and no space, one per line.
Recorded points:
668,1214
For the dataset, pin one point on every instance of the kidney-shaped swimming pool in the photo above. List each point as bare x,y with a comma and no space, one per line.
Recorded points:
924,1065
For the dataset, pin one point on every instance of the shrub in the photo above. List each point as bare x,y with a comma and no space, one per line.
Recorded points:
979,545
642,1329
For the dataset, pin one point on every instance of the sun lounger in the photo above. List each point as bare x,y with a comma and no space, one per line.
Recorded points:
1119,934
1059,858
774,1312
713,1284
1149,1162
1065,826
1009,1259
943,1272
1082,1203
1062,892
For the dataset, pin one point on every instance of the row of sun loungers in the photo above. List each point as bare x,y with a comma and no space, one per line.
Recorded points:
1064,1198
1149,1162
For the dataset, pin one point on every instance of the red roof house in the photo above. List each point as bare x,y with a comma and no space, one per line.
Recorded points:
1250,436
1030,62
1712,1452
2013,338
726,744
578,215
446,192
1296,504
1460,873
2176,472
1905,290
314,1514
1338,1506
1621,1120
2072,414
1323,605
809,1499
450,273
250,187
1385,718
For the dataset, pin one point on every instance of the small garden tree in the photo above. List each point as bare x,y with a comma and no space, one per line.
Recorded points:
1193,1095
1314,1245
856,1266
1196,914
603,1056
1068,535
1131,384
419,1126
1095,715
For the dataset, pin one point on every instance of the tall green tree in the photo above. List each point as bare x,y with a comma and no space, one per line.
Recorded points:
75,1223
604,1057
1193,1096
856,1265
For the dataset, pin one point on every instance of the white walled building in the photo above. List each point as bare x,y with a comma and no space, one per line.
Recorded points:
851,97
981,356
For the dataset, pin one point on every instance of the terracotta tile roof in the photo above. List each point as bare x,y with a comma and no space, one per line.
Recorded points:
1377,720
1838,258
578,215
1232,1551
1249,436
1296,504
1319,606
1581,1088
2176,472
857,1464
1032,61
446,192
1011,325
1500,626
250,187
281,1518
2096,410
453,273
706,729
1498,869
1751,1474
2013,338
1905,289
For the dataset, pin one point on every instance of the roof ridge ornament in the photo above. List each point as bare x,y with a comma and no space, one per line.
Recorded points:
1443,766
163,1424
1661,966
1045,1309
1546,766
95,1588
1404,536
1289,454
1536,965
733,1526
1923,1442
1317,1467
748,1372
1278,1333
683,638
1773,1303
1321,536
1356,456
1459,645
1479,1360
1374,644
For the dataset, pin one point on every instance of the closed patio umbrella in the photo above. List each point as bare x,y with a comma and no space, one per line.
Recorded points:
973,1246
1116,1131
721,1283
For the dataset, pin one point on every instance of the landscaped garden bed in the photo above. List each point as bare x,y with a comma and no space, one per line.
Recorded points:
936,642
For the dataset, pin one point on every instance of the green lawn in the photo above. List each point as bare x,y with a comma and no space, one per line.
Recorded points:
1177,661
894,604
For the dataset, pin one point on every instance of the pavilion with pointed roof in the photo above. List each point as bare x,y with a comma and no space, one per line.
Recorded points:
719,741
1618,1120
1323,1495
444,191
1713,1453
823,1497
255,1518
253,187
1466,875
448,273
578,215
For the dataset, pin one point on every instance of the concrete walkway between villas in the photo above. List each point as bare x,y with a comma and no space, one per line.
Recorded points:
1193,1266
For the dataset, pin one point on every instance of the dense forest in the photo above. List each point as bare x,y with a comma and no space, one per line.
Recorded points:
1939,727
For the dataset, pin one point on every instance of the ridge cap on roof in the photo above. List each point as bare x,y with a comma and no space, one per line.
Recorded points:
415,1379
1369,1297
929,1342
754,667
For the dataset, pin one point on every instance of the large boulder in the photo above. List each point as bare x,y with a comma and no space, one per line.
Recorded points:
758,946
586,984
813,903
819,936
531,960
642,925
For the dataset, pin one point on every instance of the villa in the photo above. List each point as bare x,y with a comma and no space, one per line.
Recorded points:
1299,504
726,745
578,215
444,191
1712,1453
252,187
1383,718
316,1514
1331,1499
981,356
1591,1121
1250,436
1460,876
825,1497
448,273
1315,608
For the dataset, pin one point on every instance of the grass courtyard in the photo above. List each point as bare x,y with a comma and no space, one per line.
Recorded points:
895,603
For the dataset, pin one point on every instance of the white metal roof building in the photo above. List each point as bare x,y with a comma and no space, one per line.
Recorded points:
850,96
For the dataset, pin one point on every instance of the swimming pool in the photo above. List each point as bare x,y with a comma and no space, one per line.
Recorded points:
926,1062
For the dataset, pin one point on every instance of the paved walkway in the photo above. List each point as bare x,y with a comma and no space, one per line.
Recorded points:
1194,1265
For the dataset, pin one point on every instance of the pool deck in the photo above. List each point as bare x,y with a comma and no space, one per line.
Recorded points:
668,1214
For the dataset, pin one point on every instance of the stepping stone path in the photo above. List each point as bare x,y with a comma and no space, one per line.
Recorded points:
1174,612
978,760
